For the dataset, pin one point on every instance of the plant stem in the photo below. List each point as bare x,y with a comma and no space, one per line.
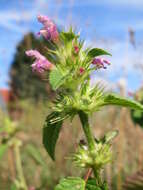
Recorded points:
87,131
90,140
88,174
19,167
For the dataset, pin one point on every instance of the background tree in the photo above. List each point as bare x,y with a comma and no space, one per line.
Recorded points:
23,82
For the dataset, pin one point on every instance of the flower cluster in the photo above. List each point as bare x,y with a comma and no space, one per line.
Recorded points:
72,63
49,31
100,63
100,156
41,64
76,49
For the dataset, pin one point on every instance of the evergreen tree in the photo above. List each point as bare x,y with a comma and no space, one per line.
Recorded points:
24,83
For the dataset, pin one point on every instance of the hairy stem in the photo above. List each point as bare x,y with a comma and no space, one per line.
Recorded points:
87,131
19,167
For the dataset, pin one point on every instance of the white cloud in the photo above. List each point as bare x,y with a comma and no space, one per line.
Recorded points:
133,3
65,3
137,3
11,19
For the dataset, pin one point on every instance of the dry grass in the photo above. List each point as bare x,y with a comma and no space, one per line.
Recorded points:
128,150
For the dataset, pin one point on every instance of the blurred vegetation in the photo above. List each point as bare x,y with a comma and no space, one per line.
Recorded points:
41,172
135,181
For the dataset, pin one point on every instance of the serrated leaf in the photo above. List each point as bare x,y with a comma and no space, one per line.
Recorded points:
97,52
71,183
112,99
51,134
55,79
35,154
3,148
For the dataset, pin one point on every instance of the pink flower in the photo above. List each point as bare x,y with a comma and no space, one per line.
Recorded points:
81,70
76,49
49,31
41,64
100,63
44,20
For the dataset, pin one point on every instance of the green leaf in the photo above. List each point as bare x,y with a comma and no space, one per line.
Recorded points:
3,148
35,154
112,99
92,185
55,79
105,186
97,52
51,132
71,183
76,183
137,117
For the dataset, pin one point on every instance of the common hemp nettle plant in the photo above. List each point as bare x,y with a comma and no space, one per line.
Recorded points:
68,67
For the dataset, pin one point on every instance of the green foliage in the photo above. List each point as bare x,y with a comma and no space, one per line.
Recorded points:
112,99
76,183
72,66
72,183
68,36
137,117
92,185
51,133
56,79
89,100
97,52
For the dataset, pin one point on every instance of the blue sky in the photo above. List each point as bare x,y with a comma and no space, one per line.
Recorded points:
102,23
